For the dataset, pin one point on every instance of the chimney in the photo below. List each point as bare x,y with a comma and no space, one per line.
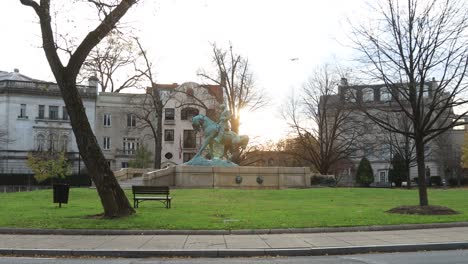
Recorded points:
93,82
223,79
344,82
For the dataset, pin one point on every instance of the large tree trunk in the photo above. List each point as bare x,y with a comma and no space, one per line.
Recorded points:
423,200
113,199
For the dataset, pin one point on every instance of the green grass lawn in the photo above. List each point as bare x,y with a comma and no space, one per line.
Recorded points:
232,209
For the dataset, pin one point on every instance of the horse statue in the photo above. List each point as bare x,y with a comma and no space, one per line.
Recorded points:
230,141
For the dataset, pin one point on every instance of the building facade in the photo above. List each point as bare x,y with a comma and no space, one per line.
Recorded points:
442,155
123,122
33,117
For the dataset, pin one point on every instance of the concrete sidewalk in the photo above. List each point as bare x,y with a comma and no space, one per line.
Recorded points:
193,245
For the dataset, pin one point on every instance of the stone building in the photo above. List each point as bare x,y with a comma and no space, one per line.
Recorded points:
33,117
378,145
121,130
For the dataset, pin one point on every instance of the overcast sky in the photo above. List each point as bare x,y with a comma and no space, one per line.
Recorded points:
178,33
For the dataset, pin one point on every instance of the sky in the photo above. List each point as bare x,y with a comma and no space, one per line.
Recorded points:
177,35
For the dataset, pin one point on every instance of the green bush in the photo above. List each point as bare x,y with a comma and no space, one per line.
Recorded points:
322,180
142,158
454,181
399,172
436,180
364,174
48,164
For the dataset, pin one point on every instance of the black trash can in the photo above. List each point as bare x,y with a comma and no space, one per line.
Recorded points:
61,191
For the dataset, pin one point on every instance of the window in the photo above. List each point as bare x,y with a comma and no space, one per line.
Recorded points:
385,95
23,111
130,146
169,113
52,142
350,95
189,113
188,156
53,112
106,143
124,164
41,112
426,91
271,163
40,142
107,120
168,155
169,135
190,139
383,176
64,113
64,143
367,95
131,120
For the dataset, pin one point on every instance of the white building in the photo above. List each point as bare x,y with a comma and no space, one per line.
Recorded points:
33,117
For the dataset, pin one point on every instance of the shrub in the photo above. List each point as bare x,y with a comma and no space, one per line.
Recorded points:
322,180
454,181
399,172
142,158
364,174
48,164
436,180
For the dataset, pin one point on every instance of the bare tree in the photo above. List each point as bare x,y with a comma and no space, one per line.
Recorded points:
113,199
115,61
401,144
409,43
150,110
322,124
234,76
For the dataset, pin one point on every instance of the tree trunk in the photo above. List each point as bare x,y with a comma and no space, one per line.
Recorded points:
158,139
113,199
408,175
423,200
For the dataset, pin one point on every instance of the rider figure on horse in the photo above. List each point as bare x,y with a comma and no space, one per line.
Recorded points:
223,122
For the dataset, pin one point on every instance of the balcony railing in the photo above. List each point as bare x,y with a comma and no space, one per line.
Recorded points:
42,86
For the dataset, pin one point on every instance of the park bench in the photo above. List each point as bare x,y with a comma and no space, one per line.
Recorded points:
151,193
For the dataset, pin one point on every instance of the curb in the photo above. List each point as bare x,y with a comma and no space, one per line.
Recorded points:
220,253
32,231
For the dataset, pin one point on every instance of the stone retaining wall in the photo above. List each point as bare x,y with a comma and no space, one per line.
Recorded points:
230,177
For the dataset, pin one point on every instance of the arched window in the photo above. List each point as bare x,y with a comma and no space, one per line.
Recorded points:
367,95
52,142
385,95
188,113
271,162
64,143
40,142
350,95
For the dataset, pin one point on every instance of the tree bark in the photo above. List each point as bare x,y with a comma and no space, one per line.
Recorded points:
423,200
113,198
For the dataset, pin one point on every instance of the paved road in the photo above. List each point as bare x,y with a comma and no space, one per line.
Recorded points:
431,257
